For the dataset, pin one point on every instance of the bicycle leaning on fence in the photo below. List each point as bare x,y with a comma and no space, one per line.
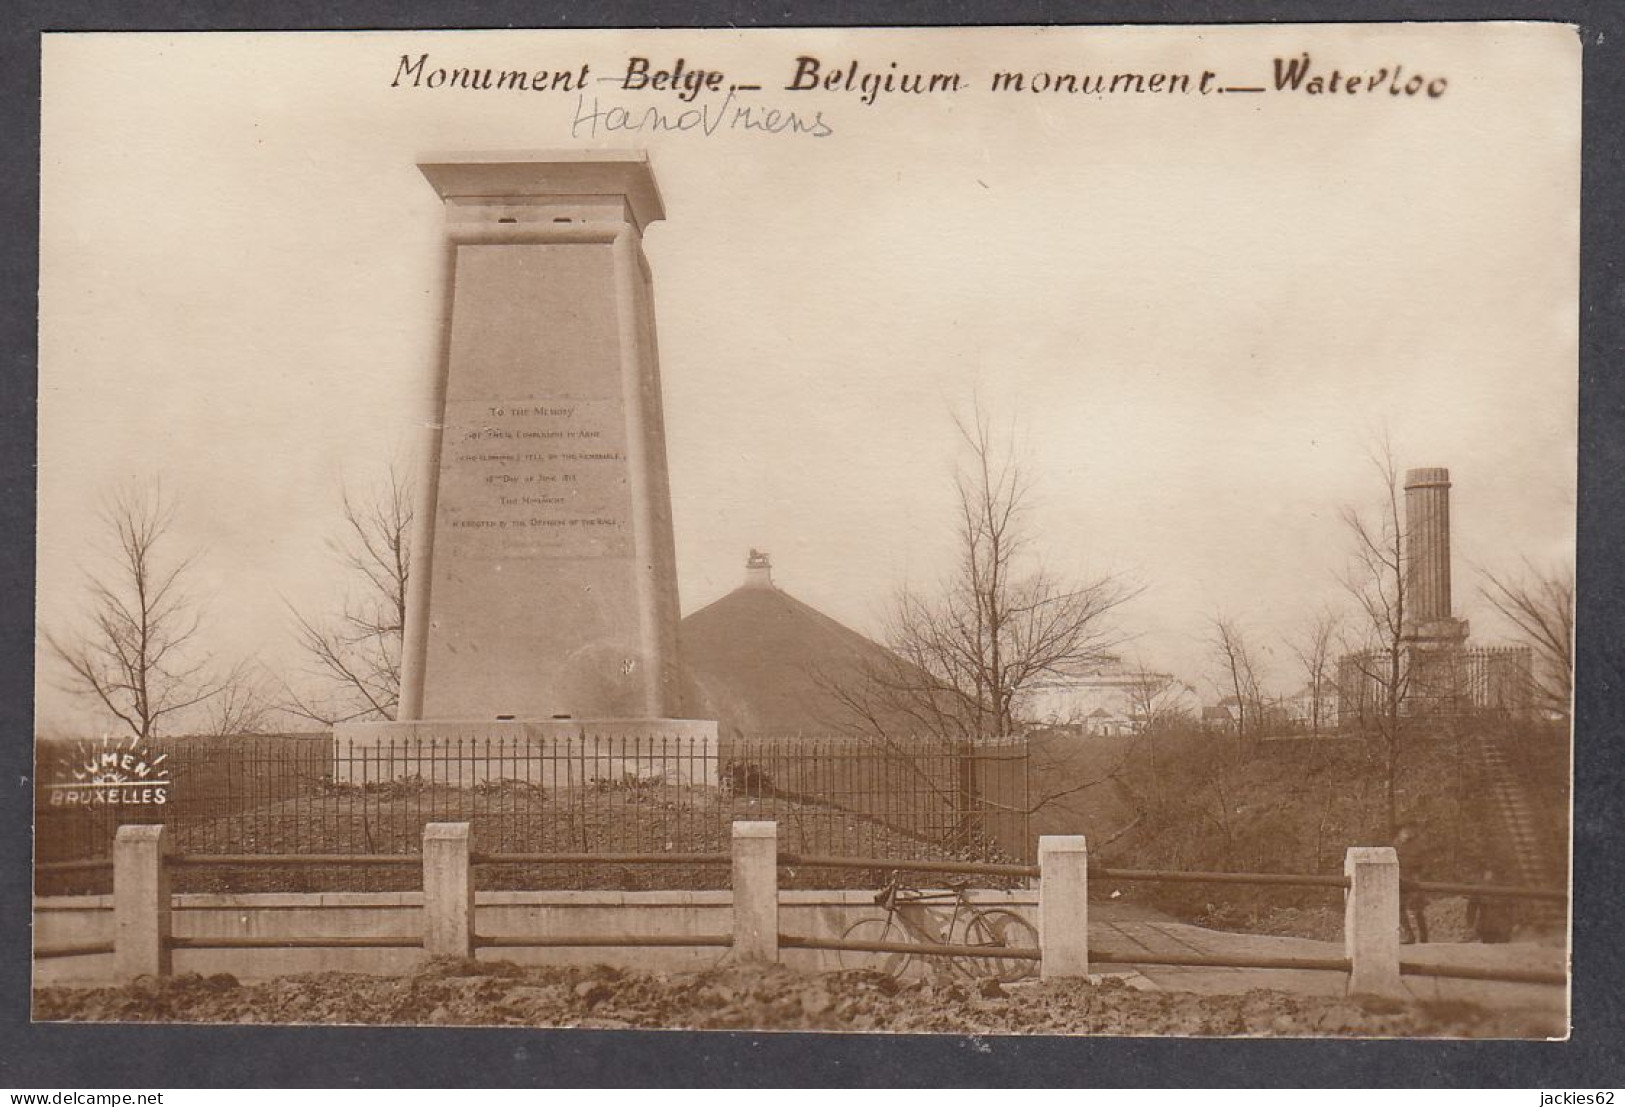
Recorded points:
912,915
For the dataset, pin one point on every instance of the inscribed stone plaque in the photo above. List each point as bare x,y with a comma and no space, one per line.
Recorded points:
543,479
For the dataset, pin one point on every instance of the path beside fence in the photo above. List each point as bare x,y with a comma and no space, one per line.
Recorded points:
1129,937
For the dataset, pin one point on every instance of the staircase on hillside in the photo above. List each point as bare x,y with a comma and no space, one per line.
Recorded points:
1532,861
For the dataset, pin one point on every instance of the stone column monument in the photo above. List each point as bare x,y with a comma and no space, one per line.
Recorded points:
543,593
1435,638
1427,564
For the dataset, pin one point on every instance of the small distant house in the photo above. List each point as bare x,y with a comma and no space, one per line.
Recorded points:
1101,723
1222,718
1304,708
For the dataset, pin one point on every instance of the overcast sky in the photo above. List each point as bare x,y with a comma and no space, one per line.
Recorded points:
1198,313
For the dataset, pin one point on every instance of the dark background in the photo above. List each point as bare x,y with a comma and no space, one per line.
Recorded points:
58,1057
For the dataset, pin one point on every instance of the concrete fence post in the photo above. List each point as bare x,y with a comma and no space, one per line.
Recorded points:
1371,921
448,891
141,902
756,891
1063,906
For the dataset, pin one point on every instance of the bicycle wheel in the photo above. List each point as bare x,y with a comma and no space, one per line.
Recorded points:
996,927
893,965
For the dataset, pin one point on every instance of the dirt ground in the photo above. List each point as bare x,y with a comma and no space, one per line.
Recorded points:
467,993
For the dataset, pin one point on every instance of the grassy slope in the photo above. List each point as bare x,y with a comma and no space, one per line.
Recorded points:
1296,806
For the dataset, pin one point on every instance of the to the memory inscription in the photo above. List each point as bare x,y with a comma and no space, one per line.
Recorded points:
535,479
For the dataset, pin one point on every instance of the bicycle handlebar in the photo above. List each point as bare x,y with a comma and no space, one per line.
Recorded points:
895,891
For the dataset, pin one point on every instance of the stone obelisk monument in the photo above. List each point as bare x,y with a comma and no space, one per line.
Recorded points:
543,593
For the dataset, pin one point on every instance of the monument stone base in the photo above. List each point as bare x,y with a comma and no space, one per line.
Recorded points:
545,753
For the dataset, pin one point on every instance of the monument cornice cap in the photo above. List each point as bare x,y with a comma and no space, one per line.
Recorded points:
544,174
1427,478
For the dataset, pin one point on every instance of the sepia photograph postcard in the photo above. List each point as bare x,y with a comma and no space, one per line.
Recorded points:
979,531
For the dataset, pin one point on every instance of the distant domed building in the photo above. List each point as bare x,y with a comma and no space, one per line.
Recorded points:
762,663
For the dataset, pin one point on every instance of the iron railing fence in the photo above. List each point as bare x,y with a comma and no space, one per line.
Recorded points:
586,794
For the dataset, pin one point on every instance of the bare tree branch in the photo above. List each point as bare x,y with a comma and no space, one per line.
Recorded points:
1541,605
138,655
1155,699
354,655
1239,672
245,704
1314,648
1380,663
965,656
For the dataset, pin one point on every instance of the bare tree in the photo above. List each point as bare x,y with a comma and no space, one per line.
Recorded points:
966,654
1315,649
1541,605
964,657
1238,672
246,704
1381,660
138,656
354,656
1155,699
1154,705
